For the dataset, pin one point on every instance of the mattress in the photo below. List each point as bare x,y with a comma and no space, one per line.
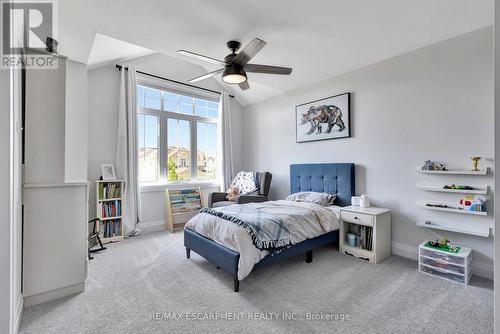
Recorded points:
236,238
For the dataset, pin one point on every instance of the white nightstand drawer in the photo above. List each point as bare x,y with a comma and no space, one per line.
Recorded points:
357,218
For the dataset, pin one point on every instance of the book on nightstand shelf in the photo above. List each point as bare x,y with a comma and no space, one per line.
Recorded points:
109,209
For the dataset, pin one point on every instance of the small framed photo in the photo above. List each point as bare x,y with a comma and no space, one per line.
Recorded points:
108,172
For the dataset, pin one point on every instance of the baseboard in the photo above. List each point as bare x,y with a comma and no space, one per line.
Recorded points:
403,250
480,269
54,294
19,315
153,226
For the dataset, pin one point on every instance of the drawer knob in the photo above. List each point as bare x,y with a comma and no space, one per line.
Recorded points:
356,217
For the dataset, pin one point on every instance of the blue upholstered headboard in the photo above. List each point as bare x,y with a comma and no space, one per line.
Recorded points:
333,178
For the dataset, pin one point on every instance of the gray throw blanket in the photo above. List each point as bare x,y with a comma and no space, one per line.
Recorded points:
267,230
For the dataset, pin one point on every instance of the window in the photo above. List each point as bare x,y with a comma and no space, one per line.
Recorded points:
177,136
148,147
178,150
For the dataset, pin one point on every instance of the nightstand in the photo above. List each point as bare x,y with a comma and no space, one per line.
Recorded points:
372,227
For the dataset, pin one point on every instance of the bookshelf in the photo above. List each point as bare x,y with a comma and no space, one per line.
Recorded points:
182,205
109,209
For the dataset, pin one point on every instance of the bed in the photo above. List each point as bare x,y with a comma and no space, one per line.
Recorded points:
332,178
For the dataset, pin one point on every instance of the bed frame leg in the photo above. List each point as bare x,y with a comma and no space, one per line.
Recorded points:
309,256
188,253
236,284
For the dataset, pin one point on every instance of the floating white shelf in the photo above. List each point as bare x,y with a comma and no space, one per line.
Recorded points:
479,190
111,218
472,229
466,212
455,171
110,199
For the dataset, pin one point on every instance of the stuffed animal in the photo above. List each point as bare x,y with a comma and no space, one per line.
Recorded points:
232,193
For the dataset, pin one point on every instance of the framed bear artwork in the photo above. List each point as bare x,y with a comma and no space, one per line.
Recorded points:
328,118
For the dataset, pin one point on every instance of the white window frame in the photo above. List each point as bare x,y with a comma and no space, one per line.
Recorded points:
163,117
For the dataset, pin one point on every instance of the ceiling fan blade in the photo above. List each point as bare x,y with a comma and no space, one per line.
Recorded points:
244,85
257,68
249,51
201,57
206,76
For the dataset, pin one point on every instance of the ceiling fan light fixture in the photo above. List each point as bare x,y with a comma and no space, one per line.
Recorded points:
234,75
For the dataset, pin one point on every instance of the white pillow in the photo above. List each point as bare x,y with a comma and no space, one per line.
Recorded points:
323,199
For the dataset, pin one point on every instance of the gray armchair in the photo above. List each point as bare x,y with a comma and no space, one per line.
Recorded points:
263,183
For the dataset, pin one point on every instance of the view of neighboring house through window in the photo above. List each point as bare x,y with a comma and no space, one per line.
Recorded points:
179,150
177,136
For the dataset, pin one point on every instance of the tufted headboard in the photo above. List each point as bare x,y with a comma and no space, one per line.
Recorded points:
332,178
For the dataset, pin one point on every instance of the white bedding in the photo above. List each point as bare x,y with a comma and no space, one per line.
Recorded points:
236,237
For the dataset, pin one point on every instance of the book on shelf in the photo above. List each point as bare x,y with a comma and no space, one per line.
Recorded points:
365,237
111,209
111,228
109,190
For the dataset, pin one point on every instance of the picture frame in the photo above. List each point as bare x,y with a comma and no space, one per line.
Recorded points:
323,119
108,172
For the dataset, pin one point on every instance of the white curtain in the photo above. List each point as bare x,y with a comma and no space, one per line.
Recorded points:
126,160
225,167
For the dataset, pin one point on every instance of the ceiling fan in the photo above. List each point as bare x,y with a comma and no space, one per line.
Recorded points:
236,64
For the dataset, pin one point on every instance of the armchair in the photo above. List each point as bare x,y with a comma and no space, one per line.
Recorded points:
263,183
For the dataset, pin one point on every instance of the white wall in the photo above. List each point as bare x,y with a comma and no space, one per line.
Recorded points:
433,103
76,132
17,197
45,123
497,156
5,242
10,201
103,91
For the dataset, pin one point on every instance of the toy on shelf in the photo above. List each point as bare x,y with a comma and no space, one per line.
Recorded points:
472,203
457,187
432,165
443,206
475,163
443,244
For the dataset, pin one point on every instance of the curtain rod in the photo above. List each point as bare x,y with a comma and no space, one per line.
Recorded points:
119,67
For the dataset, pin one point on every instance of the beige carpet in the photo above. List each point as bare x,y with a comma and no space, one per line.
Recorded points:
150,274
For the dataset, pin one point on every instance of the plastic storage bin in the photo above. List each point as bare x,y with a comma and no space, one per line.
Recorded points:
454,267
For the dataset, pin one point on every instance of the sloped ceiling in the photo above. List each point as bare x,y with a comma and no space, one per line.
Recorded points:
107,49
319,39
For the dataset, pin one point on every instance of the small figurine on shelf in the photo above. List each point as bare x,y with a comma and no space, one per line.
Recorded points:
465,202
442,206
457,187
475,163
471,203
434,166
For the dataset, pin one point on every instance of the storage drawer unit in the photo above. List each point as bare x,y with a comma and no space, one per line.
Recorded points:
454,267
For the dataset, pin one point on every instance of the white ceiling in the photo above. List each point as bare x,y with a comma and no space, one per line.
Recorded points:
319,39
107,49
